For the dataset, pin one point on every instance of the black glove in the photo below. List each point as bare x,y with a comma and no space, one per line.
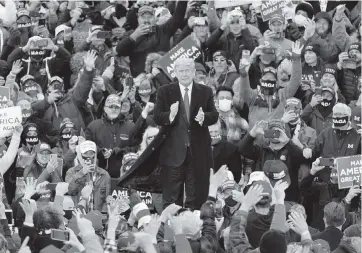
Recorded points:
13,37
293,31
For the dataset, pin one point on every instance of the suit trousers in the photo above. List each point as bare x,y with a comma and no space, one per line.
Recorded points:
174,179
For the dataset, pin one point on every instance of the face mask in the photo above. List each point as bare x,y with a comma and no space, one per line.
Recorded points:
68,214
26,113
326,103
66,137
32,140
230,202
144,92
225,105
340,121
267,87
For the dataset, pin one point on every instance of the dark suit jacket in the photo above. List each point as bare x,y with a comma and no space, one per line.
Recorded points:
174,149
227,153
331,235
178,132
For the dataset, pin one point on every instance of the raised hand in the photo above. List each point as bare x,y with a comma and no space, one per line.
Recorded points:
200,116
89,60
169,211
279,191
174,110
24,246
61,189
315,167
258,128
153,227
307,153
309,29
353,192
297,48
252,197
316,99
17,67
51,166
73,241
30,187
219,177
237,196
297,223
87,191
289,116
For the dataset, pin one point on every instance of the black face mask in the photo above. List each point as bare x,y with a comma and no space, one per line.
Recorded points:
230,202
66,137
68,214
326,102
268,87
340,121
32,140
26,113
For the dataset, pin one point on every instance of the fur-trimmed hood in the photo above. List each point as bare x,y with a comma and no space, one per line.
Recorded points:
150,59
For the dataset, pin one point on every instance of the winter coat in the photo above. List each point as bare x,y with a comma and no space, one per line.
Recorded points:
110,134
154,42
337,143
315,120
256,112
101,187
71,106
50,66
348,83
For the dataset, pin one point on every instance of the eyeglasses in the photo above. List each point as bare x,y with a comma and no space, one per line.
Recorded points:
116,107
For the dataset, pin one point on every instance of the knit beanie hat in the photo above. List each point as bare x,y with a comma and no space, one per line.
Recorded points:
273,241
4,68
307,7
342,109
66,123
355,46
313,48
329,69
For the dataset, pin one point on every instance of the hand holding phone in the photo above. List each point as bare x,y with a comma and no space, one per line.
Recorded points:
60,235
271,134
326,162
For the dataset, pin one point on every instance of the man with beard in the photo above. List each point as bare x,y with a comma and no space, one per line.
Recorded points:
225,152
110,133
318,113
87,172
340,139
349,75
319,32
37,60
149,37
72,104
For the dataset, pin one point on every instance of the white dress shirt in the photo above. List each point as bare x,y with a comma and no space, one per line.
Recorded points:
182,89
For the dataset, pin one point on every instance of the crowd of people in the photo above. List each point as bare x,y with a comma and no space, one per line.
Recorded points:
235,151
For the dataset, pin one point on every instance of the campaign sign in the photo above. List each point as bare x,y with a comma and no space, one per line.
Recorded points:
349,171
272,7
185,49
9,118
4,97
116,191
230,3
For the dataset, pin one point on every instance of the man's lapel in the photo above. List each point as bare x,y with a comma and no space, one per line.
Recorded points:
177,96
194,95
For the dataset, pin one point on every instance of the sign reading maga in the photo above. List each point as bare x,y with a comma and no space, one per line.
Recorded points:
272,7
349,171
185,49
9,118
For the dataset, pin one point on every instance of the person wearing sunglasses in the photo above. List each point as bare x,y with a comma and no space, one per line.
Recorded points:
111,132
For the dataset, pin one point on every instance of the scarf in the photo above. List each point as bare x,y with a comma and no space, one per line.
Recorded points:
262,102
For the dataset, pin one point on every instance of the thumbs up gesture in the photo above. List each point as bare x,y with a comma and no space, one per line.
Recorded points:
200,116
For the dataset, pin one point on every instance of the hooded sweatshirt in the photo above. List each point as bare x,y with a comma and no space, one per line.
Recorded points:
257,113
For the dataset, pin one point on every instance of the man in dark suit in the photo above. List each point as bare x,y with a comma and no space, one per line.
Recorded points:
185,110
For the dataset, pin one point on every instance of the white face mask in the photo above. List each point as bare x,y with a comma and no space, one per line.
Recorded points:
225,105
